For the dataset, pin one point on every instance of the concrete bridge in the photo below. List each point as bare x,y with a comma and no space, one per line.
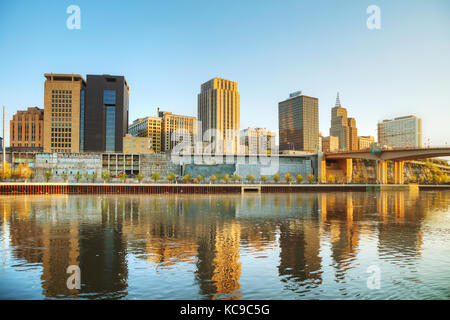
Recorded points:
381,156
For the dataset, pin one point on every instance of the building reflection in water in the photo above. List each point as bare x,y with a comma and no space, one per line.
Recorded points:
208,232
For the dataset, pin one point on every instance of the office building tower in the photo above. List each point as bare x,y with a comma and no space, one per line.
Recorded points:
219,109
401,132
298,121
63,101
344,128
176,128
106,113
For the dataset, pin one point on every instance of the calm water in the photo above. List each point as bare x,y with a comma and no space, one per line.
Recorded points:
270,246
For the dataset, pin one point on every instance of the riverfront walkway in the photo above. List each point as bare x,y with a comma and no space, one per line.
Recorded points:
10,188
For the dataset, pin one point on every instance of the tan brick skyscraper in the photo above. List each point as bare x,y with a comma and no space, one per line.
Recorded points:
219,108
63,99
344,128
27,130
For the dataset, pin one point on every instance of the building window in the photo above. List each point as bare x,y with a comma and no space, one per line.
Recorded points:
110,128
109,97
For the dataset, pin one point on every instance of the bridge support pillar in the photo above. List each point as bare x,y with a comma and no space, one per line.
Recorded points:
346,165
381,171
398,172
323,171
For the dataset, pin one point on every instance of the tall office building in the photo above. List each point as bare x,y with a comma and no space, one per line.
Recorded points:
176,128
353,142
365,142
27,130
298,121
344,128
219,108
148,127
401,132
330,144
105,117
63,101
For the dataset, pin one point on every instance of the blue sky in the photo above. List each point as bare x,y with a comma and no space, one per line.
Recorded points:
167,49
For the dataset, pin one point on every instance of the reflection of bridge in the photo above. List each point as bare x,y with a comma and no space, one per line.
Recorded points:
398,155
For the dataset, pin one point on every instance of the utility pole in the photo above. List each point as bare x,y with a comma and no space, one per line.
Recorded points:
3,142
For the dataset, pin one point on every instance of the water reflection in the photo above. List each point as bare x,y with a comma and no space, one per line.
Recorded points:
310,245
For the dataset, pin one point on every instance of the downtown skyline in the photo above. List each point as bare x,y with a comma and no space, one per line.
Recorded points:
398,70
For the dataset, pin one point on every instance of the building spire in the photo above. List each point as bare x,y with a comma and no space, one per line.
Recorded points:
338,102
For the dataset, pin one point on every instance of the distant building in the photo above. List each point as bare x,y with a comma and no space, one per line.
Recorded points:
344,128
330,144
64,96
365,142
401,132
137,145
219,108
298,121
27,131
105,117
175,128
257,141
148,127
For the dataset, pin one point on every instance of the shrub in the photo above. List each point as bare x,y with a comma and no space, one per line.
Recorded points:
299,178
48,175
155,176
276,177
140,177
263,179
171,177
311,178
288,177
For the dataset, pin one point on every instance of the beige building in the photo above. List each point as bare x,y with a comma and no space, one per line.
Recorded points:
149,127
401,132
27,130
344,128
175,128
137,145
219,108
257,141
365,142
330,144
63,95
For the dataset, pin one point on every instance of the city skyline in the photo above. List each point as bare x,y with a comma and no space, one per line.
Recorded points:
380,74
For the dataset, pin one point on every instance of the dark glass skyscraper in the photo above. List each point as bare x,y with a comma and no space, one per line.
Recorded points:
106,113
298,121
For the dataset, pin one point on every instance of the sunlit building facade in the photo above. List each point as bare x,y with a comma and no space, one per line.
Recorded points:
298,120
401,132
27,130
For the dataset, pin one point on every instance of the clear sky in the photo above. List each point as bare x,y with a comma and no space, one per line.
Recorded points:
167,49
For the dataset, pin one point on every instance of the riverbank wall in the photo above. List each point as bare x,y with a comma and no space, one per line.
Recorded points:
164,188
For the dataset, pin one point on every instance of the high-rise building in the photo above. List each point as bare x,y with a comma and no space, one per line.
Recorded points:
330,144
148,127
175,128
27,130
365,142
219,108
105,117
401,132
353,142
257,141
298,121
63,102
344,128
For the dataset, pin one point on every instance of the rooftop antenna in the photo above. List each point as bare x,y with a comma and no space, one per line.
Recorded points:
338,102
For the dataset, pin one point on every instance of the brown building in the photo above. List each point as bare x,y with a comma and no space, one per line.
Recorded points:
219,108
330,144
27,130
353,141
298,122
63,102
148,127
175,128
344,128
